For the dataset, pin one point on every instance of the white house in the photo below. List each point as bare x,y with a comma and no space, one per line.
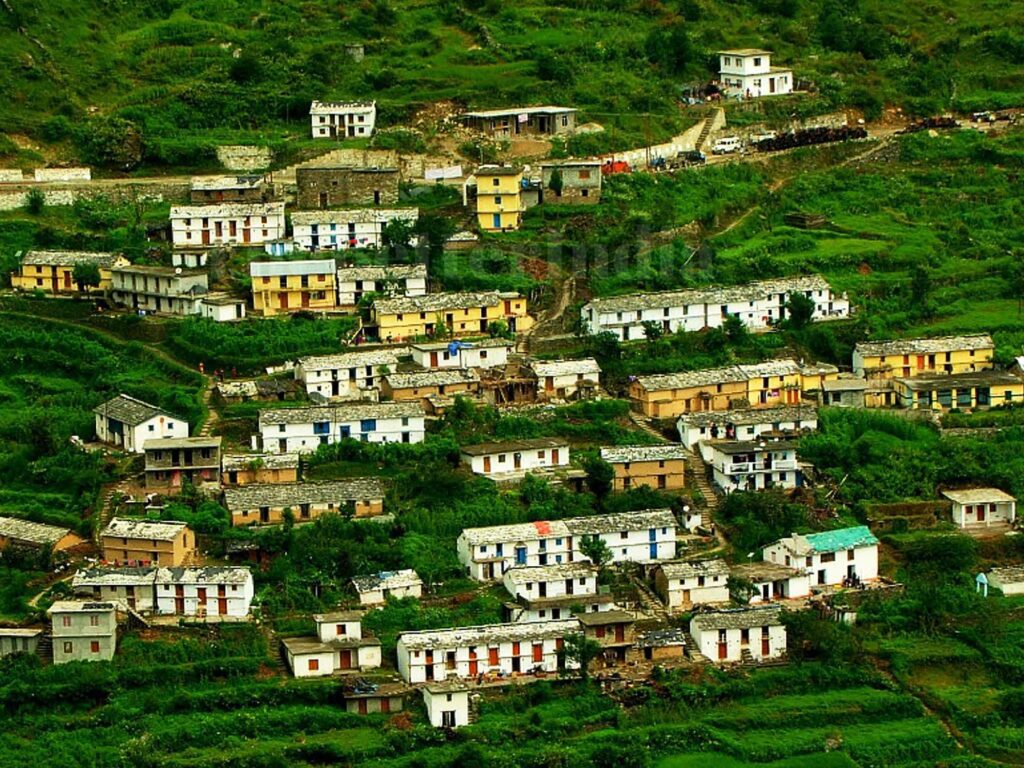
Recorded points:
748,72
566,379
495,649
345,375
19,640
682,584
771,581
342,119
129,586
1009,579
200,226
549,592
127,422
325,230
753,465
83,630
831,558
516,456
733,635
484,353
396,280
982,507
376,588
340,646
644,536
165,290
447,705
302,430
222,307
206,592
758,305
743,424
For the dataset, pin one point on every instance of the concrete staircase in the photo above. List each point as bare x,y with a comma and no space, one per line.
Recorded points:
709,125
747,658
692,651
703,484
44,650
645,425
276,654
650,602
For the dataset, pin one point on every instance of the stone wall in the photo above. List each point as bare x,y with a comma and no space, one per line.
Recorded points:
8,176
332,187
63,174
15,196
237,157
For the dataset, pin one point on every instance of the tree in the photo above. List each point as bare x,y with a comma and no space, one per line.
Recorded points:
670,48
599,476
112,142
35,201
397,236
581,650
800,311
596,550
555,183
653,330
920,291
734,329
86,275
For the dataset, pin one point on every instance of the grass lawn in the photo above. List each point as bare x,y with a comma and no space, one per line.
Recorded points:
717,760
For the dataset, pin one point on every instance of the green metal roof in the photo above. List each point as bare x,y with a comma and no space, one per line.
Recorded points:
844,538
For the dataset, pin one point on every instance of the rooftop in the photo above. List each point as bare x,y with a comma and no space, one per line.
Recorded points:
113,577
738,618
587,366
436,302
342,412
438,378
241,462
829,541
386,580
128,410
70,258
733,447
749,416
481,343
527,574
19,632
275,495
220,210
602,618
487,634
285,268
756,291
630,453
304,645
169,443
924,346
956,380
338,617
33,533
1009,574
333,107
744,52
545,110
349,360
376,273
507,446
661,638
686,569
978,496
215,183
710,376
81,606
762,570
624,521
165,530
209,574
354,216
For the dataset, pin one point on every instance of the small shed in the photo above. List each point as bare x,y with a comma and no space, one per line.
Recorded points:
447,704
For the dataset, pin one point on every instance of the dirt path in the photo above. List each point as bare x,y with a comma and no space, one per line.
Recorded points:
549,321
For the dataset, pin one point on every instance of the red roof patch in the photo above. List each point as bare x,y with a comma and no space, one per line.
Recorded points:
543,527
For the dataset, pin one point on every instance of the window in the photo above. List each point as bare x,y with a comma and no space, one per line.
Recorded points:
94,646
314,665
828,557
496,182
497,199
584,173
65,621
94,620
68,646
340,629
757,61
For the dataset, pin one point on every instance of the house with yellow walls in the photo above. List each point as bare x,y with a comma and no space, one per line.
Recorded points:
279,287
499,202
448,314
54,271
941,392
903,358
769,384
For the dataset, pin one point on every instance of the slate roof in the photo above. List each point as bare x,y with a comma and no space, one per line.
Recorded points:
602,618
226,210
933,345
81,606
386,580
587,366
488,634
341,413
1010,574
630,453
748,416
470,344
243,461
19,632
624,521
711,376
544,110
661,638
337,617
438,378
209,574
213,183
256,495
69,258
354,216
760,571
169,443
437,302
285,268
113,577
744,52
378,273
30,532
956,380
978,496
128,410
299,646
527,574
332,107
509,446
739,618
731,447
371,357
164,530
687,569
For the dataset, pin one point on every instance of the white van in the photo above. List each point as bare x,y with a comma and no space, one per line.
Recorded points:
726,145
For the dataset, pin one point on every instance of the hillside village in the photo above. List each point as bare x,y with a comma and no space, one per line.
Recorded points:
499,432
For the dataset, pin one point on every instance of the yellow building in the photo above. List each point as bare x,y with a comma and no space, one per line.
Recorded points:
279,287
53,271
661,467
247,469
462,314
920,357
942,392
145,542
499,202
763,385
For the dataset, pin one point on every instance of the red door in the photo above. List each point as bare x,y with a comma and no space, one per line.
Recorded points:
508,307
67,280
492,657
346,660
538,653
206,237
433,359
385,704
549,383
474,668
362,706
766,647
723,650
245,234
487,463
282,299
179,599
620,633
305,299
222,601
981,513
554,455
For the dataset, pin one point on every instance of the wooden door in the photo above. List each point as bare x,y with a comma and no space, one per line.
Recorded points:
723,650
549,383
282,299
554,456
538,653
980,509
766,647
487,463
517,460
245,234
345,660
323,199
305,299
362,706
179,599
385,705
201,599
492,657
620,633
206,237
433,359
474,667
222,606
67,280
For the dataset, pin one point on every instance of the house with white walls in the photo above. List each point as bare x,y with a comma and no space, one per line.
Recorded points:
481,353
748,73
510,457
846,556
303,430
226,224
447,704
982,507
389,280
551,592
127,423
346,375
347,229
697,428
682,584
342,119
734,635
768,581
83,630
508,650
376,588
566,379
753,465
340,645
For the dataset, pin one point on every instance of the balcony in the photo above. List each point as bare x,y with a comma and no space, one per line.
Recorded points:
746,467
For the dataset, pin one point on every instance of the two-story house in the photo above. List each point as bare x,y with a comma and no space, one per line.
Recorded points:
302,430
554,592
342,230
614,632
682,584
226,224
173,461
697,429
347,374
499,201
420,386
83,630
147,542
19,533
342,119
127,422
340,645
237,188
479,353
566,379
376,588
396,280
969,391
334,186
753,465
266,504
748,73
221,592
571,182
734,635
846,556
54,271
661,467
293,286
456,314
522,121
162,290
905,358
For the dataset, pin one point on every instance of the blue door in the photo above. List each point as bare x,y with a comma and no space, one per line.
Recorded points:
496,221
654,551
652,534
520,555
